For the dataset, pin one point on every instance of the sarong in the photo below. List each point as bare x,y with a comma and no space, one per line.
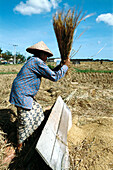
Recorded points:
28,121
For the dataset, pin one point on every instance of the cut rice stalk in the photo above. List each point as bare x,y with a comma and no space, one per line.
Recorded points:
64,26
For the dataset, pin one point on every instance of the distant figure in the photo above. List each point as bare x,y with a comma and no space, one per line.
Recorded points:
101,61
26,85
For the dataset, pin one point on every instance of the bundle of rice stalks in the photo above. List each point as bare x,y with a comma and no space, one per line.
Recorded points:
64,26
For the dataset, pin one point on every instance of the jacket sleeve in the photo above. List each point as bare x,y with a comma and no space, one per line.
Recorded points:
46,72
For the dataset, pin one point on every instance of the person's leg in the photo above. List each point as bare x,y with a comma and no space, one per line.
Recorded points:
28,122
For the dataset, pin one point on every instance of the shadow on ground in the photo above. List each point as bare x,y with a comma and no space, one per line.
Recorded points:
28,158
8,125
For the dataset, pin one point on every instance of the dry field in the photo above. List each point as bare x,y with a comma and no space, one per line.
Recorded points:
90,99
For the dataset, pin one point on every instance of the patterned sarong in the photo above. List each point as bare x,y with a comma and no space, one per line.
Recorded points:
29,121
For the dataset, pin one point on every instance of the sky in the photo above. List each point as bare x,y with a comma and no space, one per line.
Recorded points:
26,22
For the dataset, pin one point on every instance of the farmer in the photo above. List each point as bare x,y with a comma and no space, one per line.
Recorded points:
26,85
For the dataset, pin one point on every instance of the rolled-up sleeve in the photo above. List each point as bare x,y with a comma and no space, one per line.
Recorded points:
46,72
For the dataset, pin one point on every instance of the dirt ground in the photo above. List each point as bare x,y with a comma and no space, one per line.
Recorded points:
90,99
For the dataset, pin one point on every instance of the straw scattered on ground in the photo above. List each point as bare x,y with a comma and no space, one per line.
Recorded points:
90,99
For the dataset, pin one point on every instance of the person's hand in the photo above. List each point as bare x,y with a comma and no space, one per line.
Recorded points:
66,62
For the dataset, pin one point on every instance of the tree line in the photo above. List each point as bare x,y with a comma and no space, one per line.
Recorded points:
8,56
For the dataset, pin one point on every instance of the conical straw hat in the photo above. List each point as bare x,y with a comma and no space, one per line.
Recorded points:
40,46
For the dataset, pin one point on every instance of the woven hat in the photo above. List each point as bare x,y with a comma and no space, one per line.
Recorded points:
40,46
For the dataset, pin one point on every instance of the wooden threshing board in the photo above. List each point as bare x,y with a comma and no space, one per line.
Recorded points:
52,144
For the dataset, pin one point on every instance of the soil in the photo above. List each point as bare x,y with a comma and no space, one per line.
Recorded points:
89,96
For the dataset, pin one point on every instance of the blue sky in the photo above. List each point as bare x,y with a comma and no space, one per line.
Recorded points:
26,22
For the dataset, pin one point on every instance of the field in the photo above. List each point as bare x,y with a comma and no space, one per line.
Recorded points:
88,94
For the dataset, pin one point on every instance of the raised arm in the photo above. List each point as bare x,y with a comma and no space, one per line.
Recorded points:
66,62
46,72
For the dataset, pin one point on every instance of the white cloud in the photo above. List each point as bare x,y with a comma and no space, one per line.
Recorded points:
99,42
66,6
54,3
107,18
36,6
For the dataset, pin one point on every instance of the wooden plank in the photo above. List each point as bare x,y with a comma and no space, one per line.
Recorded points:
65,162
46,142
61,140
52,145
63,129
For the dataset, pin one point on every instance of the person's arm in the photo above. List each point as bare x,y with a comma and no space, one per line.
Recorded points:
57,67
65,62
46,72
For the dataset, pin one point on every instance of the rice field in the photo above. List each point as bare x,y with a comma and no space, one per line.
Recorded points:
90,139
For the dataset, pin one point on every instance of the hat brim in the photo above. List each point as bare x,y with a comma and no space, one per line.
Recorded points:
36,52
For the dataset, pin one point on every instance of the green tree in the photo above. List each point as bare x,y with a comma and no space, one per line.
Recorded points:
20,58
0,54
7,55
1,51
